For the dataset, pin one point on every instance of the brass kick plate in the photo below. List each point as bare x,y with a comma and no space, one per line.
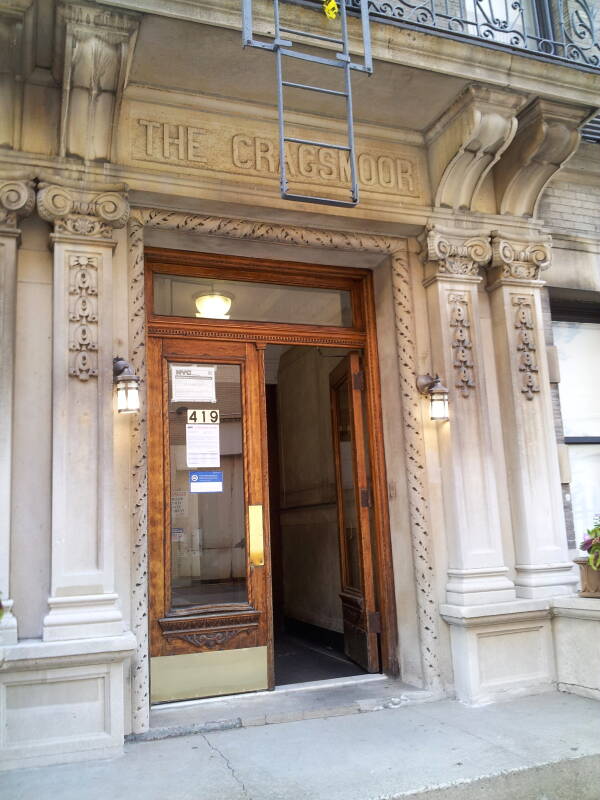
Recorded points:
255,526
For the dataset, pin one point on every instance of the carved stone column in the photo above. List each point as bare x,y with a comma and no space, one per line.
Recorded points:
83,602
477,573
542,564
17,198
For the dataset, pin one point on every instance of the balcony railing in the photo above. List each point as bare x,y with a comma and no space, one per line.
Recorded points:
555,30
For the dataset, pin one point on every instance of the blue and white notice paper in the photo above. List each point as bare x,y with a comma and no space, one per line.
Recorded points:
206,481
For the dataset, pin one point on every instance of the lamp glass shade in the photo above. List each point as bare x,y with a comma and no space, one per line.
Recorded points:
438,405
213,305
128,396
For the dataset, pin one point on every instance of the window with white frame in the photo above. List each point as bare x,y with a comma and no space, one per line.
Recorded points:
578,345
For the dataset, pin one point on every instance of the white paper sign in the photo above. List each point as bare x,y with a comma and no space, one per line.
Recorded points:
192,384
177,534
202,446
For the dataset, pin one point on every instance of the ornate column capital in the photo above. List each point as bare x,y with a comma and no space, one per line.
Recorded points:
88,213
17,199
455,254
518,260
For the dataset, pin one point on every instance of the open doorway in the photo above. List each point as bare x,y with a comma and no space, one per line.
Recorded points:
318,585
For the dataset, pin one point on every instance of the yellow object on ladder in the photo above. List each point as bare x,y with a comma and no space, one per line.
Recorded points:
331,9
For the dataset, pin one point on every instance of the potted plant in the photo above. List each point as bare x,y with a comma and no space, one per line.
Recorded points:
590,566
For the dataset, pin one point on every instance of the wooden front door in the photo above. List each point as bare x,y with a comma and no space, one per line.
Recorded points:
361,621
210,620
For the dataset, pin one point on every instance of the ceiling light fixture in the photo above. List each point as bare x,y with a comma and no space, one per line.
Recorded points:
214,305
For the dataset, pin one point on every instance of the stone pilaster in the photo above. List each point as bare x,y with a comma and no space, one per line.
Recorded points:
543,568
17,198
83,602
477,574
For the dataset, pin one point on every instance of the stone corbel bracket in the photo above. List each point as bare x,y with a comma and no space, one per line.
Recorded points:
547,137
466,142
84,212
518,260
17,199
12,36
455,253
96,47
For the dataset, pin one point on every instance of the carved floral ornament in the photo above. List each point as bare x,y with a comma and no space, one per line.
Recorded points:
462,345
526,344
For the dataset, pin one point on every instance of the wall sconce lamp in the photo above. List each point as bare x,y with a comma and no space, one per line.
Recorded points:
128,396
437,393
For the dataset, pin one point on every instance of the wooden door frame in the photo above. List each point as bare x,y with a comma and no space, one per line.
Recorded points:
363,335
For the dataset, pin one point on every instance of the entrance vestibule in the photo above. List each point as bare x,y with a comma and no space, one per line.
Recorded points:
305,521
266,476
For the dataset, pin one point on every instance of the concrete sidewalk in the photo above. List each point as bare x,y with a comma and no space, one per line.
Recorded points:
545,747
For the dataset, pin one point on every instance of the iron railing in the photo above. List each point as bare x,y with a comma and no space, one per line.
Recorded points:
555,30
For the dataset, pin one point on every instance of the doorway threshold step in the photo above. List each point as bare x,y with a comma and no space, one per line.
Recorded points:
314,700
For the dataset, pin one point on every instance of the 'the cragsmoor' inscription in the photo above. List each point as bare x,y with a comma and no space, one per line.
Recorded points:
305,161
216,146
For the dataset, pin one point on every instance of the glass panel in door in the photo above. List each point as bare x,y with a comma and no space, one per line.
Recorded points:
210,623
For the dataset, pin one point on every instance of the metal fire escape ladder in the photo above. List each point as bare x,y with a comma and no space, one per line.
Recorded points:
283,48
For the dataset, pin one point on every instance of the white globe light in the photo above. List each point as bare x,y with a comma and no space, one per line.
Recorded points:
213,305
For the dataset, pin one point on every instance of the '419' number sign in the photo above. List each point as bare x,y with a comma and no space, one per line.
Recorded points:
200,416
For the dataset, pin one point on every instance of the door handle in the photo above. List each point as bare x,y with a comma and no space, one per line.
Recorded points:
255,529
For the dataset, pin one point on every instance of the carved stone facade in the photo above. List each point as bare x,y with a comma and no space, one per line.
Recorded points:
476,525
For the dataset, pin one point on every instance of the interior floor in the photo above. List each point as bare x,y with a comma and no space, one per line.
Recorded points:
306,653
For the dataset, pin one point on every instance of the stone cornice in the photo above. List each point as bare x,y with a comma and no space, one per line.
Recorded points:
83,212
455,254
518,261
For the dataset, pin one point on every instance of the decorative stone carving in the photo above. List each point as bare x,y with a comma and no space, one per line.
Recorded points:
518,260
12,25
526,345
467,140
96,46
411,410
81,212
83,317
461,342
17,198
546,139
455,254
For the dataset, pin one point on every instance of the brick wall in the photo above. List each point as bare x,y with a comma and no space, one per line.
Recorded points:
571,208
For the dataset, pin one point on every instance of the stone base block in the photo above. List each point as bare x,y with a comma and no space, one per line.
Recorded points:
502,650
576,626
62,702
